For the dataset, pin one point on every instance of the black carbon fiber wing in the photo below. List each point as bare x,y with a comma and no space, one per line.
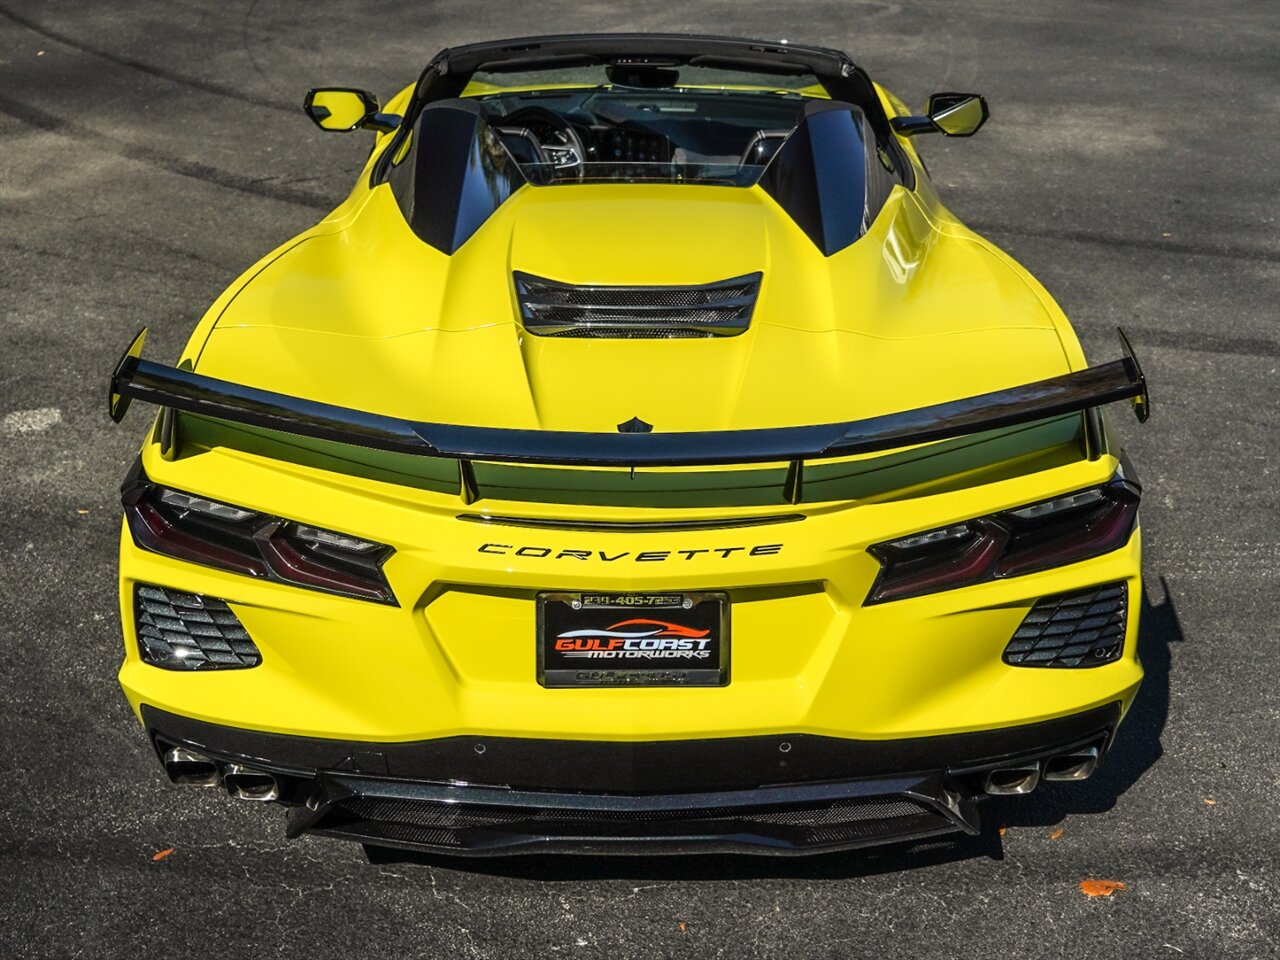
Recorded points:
177,389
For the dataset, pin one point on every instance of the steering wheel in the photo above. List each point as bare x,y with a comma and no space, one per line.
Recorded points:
557,140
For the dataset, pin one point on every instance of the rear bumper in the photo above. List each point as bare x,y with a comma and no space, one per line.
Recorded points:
479,796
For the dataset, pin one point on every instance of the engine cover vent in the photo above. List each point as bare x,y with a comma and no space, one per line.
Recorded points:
721,309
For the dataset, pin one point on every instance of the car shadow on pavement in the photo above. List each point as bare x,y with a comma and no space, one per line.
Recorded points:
1136,749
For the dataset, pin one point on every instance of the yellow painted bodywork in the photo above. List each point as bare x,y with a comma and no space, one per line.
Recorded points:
359,312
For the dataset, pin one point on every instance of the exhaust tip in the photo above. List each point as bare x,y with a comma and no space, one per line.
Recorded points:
1076,765
190,769
248,783
1012,780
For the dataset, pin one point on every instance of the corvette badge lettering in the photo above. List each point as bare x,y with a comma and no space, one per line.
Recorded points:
643,556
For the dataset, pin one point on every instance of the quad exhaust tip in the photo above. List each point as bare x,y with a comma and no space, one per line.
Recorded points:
190,769
1076,765
1012,780
248,783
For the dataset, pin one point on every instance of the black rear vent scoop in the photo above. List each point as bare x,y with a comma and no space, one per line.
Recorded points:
549,308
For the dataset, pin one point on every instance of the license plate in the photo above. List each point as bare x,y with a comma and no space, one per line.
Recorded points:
633,639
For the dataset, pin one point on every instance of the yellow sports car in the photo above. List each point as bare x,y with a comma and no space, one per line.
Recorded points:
640,459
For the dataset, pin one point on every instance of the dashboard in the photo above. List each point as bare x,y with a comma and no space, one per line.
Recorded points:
591,128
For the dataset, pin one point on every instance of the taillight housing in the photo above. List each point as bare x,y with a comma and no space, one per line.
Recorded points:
1050,533
216,534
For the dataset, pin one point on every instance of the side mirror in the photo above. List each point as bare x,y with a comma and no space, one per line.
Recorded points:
341,110
951,114
958,114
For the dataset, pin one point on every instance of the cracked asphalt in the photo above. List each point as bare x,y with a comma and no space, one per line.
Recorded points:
150,152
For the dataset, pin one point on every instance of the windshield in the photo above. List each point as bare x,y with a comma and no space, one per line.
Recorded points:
673,77
691,124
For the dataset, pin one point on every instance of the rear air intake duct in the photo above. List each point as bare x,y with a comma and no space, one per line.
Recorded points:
552,309
1081,629
188,631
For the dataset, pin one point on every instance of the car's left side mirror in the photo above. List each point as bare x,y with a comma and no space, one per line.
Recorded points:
951,114
341,109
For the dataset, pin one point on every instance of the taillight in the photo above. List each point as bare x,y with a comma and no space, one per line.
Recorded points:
1050,533
215,534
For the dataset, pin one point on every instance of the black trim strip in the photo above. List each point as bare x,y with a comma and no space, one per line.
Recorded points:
631,526
138,379
755,797
639,767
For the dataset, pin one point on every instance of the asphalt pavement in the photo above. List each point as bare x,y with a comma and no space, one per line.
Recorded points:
150,152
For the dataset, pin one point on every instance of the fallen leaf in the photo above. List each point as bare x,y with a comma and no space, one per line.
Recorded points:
83,513
1166,234
39,53
1210,801
162,854
1003,831
1057,834
683,926
1100,888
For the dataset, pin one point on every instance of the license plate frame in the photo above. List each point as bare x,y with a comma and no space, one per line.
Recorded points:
650,655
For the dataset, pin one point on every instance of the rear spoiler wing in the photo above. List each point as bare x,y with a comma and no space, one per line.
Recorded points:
635,444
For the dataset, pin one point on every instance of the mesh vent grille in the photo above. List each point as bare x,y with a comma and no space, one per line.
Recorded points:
843,811
1083,629
554,309
186,631
407,834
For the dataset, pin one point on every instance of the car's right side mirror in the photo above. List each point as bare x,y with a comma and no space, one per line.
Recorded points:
341,109
951,114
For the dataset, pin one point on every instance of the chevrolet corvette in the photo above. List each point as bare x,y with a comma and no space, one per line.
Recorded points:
640,459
